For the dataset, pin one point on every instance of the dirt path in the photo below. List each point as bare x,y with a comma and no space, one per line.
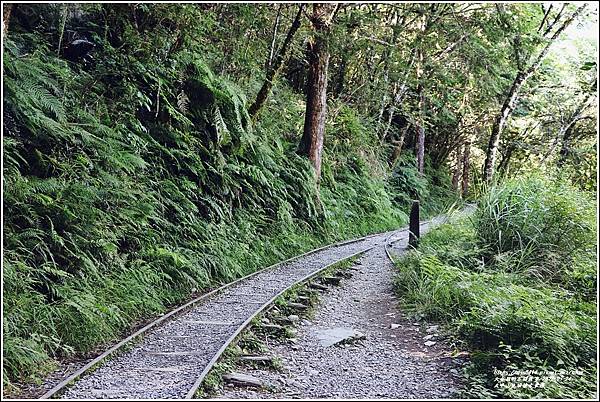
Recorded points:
169,359
392,362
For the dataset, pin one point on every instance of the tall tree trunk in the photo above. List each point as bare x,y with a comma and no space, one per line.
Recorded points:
509,103
275,66
457,169
311,144
498,126
466,163
269,61
503,166
421,131
6,10
565,148
421,97
398,147
574,117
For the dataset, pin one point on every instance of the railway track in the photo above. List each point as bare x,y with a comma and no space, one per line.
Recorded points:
170,357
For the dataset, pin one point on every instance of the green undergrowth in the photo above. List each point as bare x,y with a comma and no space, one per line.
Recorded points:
516,282
126,194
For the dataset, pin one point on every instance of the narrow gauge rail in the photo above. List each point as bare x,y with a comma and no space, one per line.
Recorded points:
177,351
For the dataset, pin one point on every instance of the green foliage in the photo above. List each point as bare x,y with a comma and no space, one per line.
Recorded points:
433,190
510,317
536,225
125,194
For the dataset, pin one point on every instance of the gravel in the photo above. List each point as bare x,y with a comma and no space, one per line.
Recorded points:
391,362
169,359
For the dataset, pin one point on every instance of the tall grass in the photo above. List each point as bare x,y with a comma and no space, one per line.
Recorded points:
536,226
506,290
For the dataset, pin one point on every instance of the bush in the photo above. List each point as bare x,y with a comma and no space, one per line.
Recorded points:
536,225
511,317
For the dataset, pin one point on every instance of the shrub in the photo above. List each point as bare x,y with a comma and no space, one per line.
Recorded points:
477,276
537,225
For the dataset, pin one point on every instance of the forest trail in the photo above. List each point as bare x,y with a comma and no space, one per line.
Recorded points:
169,360
393,360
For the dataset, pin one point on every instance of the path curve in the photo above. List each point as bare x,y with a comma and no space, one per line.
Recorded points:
395,360
175,354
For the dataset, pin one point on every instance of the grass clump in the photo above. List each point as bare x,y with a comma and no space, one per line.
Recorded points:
504,288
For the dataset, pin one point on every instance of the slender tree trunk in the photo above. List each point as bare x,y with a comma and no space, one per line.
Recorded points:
421,132
509,103
387,56
421,97
275,66
503,166
398,147
466,163
269,61
6,10
457,169
498,126
565,148
311,143
575,116
399,93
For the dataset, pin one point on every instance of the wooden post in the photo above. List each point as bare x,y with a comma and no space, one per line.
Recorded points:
414,225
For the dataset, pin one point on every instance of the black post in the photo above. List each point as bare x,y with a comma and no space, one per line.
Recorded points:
414,226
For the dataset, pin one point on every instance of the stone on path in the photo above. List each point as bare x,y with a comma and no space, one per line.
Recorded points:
243,380
318,286
430,343
297,306
335,336
331,280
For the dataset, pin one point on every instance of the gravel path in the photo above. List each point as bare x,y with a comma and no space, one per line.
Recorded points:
169,359
392,362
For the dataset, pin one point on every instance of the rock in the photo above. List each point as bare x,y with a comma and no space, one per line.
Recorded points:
297,306
428,337
344,274
318,286
394,326
242,380
416,324
331,280
430,343
271,327
335,336
432,328
454,371
293,318
283,320
303,299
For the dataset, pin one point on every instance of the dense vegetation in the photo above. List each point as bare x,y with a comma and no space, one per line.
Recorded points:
151,152
516,282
